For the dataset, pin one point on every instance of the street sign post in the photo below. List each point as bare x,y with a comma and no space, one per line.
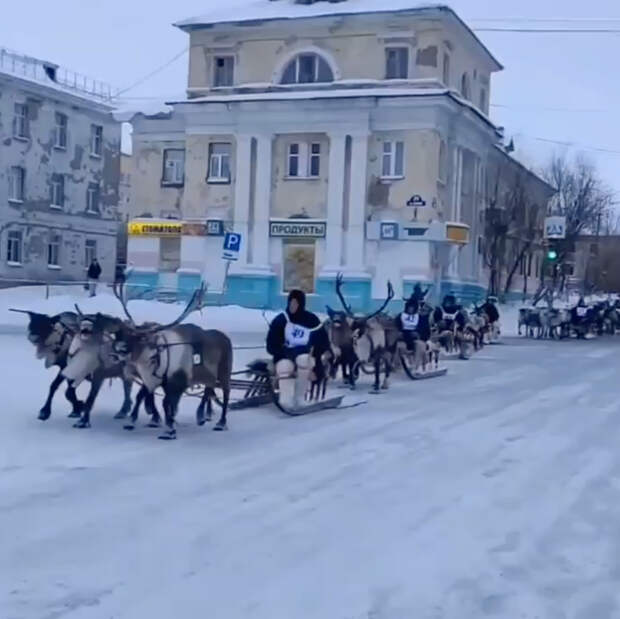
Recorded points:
232,246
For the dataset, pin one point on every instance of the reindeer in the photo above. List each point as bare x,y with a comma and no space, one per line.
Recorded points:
370,342
176,356
51,336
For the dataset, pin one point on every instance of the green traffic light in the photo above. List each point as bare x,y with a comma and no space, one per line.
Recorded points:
552,254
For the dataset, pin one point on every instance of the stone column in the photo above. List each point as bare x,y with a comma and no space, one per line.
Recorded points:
243,177
262,202
335,202
357,203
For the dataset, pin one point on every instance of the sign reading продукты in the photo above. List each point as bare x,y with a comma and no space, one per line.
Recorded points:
232,245
298,229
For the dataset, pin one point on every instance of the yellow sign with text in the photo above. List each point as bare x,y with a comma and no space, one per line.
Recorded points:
154,228
457,234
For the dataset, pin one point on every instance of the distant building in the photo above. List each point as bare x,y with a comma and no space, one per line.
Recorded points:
334,137
59,172
596,263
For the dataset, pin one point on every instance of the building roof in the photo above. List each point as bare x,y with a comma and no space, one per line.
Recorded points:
244,11
550,189
51,76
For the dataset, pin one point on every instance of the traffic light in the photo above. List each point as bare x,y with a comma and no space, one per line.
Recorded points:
552,255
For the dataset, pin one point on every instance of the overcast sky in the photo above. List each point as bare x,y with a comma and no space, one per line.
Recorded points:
563,87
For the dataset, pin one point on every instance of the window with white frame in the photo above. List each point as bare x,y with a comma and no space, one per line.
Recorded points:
14,247
21,124
57,191
96,140
303,160
17,182
307,68
446,70
465,90
219,162
90,251
174,166
393,164
53,251
442,175
223,71
92,198
396,63
60,131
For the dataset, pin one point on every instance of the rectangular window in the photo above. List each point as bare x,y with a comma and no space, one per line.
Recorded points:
224,67
53,252
21,125
219,163
92,198
60,131
299,265
14,247
304,160
446,70
96,140
396,63
393,164
174,167
90,251
293,160
529,265
17,181
483,100
57,197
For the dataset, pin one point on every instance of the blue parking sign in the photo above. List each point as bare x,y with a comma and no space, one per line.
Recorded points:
232,245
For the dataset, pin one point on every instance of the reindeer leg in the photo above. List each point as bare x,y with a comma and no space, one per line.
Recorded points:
136,409
174,389
201,418
77,405
221,425
126,407
84,421
386,380
149,404
46,411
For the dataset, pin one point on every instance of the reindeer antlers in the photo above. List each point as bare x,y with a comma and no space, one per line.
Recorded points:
119,293
195,303
347,308
390,296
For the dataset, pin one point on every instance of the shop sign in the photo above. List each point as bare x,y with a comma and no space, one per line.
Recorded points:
389,231
155,228
457,234
299,229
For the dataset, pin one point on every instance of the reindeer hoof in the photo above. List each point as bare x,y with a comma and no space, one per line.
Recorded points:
153,424
220,427
44,414
74,415
82,424
375,391
168,436
129,426
120,415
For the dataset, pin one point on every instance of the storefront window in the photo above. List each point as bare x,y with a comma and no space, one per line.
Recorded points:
298,259
169,254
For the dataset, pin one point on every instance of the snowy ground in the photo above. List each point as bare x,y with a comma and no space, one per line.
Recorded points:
491,492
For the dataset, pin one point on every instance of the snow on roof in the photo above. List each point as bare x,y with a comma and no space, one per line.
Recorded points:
50,75
250,10
241,11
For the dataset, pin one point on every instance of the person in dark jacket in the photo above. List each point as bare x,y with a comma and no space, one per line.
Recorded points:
418,294
296,338
490,308
408,322
94,273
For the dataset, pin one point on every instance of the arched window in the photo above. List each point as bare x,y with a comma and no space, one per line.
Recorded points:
307,68
465,86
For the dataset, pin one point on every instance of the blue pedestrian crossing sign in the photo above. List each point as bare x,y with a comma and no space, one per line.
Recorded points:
232,245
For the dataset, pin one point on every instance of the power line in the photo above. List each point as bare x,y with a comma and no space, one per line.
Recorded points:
573,145
543,108
544,20
551,30
153,73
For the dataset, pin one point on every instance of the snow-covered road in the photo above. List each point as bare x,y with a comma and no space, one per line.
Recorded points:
492,492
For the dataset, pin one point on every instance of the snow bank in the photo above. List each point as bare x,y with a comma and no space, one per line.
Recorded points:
231,318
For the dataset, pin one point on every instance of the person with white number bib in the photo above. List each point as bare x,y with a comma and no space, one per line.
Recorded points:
293,337
408,322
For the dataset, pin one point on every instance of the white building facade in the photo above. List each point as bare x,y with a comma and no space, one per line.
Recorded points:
332,140
59,173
